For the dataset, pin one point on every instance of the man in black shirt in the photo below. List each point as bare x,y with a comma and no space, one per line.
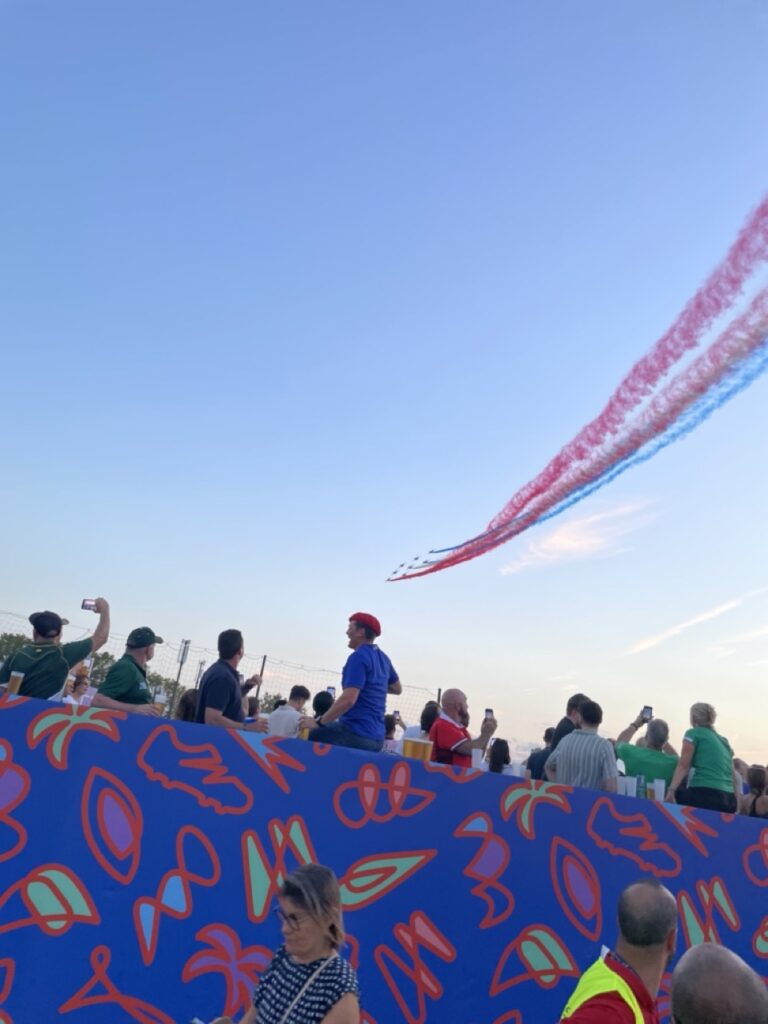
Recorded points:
572,718
538,758
221,699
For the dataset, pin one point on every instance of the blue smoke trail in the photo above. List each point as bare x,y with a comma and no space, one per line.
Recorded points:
737,379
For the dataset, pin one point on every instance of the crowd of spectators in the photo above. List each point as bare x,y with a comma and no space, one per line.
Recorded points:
709,982
702,774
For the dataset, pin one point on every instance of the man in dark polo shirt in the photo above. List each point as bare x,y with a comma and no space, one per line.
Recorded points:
125,687
221,697
46,661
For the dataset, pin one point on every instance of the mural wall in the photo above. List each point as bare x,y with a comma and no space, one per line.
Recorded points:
139,863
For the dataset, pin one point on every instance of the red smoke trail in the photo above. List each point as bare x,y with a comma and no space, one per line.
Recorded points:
712,299
584,459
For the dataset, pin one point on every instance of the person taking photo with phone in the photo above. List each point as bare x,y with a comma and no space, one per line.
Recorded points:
44,663
451,741
656,759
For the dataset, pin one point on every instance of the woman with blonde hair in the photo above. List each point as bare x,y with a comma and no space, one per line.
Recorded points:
709,757
307,981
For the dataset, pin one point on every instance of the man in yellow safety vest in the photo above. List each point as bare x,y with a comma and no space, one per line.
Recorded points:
622,985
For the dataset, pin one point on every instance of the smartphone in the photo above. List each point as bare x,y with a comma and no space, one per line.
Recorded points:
489,712
332,691
88,605
647,713
396,715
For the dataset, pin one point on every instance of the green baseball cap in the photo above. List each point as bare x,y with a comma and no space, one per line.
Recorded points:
142,637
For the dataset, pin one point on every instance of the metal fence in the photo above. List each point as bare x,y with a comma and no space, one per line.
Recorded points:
278,675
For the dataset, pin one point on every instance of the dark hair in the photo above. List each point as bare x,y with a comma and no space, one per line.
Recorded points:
279,703
370,634
230,643
646,920
321,702
591,712
575,702
389,725
314,888
299,693
429,715
549,735
756,779
499,756
253,707
186,709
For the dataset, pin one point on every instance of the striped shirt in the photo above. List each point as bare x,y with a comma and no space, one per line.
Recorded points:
583,758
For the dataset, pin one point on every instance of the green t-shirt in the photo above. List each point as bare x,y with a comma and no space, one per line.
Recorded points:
45,666
653,764
712,759
127,681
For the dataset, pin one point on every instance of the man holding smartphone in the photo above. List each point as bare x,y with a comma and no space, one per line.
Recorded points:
451,742
46,661
657,759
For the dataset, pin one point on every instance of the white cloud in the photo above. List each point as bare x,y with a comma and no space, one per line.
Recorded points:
712,613
598,535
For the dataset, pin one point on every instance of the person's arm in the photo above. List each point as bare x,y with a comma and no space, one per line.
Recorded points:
669,749
101,633
487,729
346,1011
682,769
100,700
250,1017
609,782
394,686
215,717
346,700
626,734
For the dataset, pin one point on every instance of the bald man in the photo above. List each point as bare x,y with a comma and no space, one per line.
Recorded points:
711,985
621,987
451,742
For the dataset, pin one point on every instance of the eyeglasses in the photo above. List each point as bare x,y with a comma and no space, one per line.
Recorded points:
291,921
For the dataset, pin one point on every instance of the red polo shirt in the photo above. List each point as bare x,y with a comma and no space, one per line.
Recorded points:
445,735
610,1008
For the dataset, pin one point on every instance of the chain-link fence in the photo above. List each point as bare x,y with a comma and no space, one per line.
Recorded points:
278,675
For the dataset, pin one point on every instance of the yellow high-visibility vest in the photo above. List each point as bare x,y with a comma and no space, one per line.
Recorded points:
596,980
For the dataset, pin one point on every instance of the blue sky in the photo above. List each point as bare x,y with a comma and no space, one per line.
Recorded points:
293,292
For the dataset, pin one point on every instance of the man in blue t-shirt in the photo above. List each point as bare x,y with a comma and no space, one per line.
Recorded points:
356,717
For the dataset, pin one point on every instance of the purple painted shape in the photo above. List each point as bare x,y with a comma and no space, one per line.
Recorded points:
116,822
491,859
579,887
11,785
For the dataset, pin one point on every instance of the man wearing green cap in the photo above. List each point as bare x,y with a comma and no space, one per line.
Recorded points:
125,687
46,661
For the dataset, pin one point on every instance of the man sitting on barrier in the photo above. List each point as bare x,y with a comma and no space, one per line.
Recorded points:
451,742
621,986
356,717
710,985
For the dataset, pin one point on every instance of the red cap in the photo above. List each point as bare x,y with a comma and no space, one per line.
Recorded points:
364,619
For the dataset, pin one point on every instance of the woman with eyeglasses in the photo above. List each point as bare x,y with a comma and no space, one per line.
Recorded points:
308,982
